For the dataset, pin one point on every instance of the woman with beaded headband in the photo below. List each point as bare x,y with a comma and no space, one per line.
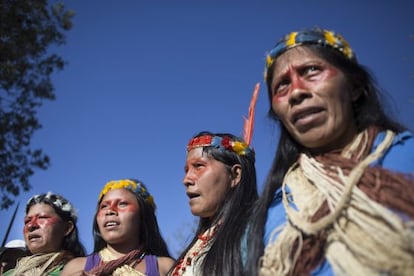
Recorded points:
50,234
126,234
220,182
339,197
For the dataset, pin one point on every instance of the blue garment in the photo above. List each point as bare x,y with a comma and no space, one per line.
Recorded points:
398,158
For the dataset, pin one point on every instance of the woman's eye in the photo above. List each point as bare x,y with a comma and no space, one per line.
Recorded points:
280,86
198,165
311,70
123,203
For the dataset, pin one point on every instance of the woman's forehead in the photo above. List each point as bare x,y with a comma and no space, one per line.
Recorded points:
41,208
296,57
298,54
118,193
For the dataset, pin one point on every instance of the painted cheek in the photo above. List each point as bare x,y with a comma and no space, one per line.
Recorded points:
196,174
278,98
44,222
327,74
331,72
131,208
101,213
40,222
192,173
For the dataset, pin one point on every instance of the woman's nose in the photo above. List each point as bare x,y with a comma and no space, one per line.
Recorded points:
299,91
187,181
110,212
32,225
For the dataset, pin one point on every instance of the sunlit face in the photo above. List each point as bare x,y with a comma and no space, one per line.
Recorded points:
207,182
313,100
44,230
118,217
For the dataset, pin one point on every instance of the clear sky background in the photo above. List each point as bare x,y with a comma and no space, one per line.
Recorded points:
144,76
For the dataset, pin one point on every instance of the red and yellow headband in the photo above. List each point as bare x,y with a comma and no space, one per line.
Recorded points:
220,142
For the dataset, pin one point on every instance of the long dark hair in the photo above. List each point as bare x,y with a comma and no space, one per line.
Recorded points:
66,212
224,256
150,237
368,111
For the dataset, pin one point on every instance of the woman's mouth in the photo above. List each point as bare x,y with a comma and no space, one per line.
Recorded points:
110,224
305,118
192,195
33,237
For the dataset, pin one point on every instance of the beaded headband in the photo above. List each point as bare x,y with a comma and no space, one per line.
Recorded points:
58,201
225,143
136,187
322,37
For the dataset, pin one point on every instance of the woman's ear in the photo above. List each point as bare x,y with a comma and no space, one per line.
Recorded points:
69,228
357,92
236,173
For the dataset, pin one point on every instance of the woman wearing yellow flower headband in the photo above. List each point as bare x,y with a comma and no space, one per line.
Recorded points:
339,198
126,234
220,182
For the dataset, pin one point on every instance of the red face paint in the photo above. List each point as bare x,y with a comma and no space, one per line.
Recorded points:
116,206
303,77
39,221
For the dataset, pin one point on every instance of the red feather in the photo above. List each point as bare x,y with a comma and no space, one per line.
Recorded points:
249,121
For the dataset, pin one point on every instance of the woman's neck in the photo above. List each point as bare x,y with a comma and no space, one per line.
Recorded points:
121,250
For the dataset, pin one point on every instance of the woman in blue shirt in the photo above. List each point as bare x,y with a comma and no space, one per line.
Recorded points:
339,198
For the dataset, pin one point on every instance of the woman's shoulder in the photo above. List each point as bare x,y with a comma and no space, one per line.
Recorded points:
74,267
165,264
56,272
8,272
275,216
400,155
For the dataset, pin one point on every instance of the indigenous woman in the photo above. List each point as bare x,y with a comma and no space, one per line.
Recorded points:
50,234
220,182
339,198
126,234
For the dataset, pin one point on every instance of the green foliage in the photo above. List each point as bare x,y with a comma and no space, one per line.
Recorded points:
27,31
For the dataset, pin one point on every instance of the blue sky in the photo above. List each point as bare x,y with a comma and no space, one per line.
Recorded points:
144,76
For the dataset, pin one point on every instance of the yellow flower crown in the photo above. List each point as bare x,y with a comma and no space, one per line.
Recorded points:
309,36
134,186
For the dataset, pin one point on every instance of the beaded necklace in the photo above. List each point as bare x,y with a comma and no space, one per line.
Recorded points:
200,246
118,266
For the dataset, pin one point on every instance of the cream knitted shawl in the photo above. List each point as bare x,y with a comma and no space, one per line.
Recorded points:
36,265
363,238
